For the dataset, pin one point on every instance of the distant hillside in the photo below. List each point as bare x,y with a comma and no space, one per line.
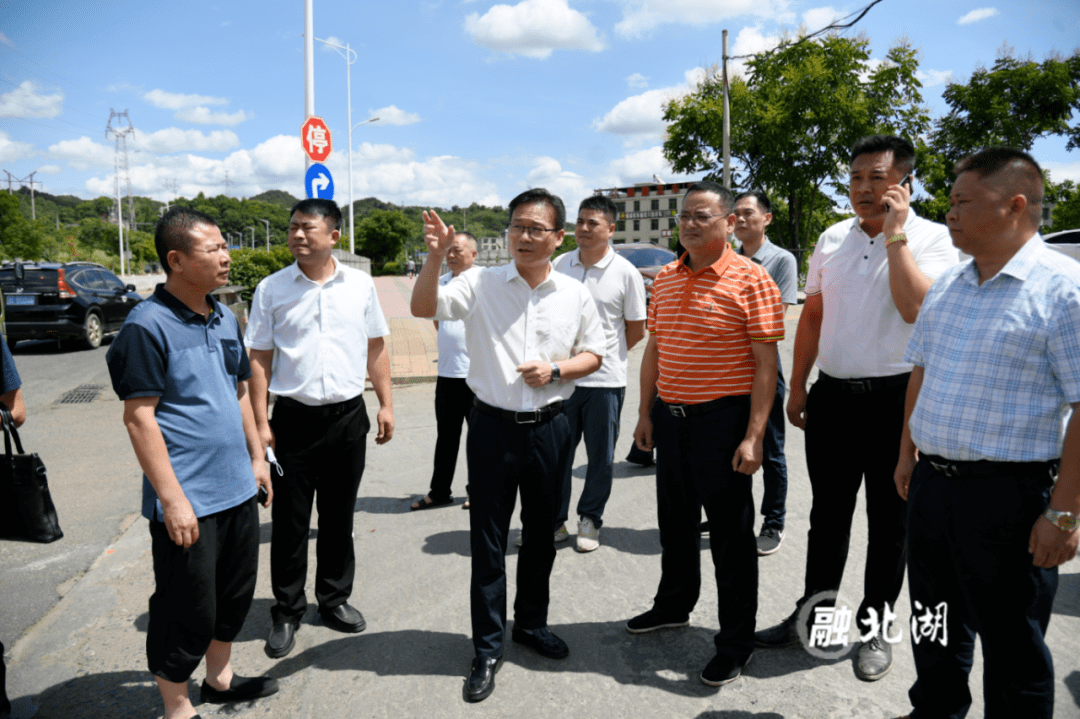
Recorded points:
61,200
276,197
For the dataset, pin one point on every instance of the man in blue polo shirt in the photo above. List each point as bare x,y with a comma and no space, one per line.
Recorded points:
179,365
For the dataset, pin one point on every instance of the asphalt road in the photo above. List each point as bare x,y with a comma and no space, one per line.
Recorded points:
92,472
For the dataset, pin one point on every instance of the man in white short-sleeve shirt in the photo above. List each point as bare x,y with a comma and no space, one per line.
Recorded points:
595,407
531,332
453,398
867,279
316,329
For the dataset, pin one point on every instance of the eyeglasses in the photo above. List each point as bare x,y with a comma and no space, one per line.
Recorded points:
700,218
535,233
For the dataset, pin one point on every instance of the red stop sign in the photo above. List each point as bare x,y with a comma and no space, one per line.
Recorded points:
315,137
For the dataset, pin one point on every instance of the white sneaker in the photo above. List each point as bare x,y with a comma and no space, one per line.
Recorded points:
588,535
561,535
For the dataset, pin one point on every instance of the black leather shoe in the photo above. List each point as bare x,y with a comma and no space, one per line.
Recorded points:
784,634
481,681
344,618
542,640
282,640
874,659
241,689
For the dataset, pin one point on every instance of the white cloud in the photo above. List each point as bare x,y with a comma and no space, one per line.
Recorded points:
642,116
203,116
750,41
6,40
333,39
1061,171
374,154
534,28
641,16
932,78
82,154
393,116
174,139
10,150
976,15
27,101
637,80
819,17
50,170
177,101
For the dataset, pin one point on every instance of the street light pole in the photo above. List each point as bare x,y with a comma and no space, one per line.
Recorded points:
252,236
350,57
267,223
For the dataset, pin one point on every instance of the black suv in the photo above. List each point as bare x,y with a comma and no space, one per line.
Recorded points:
64,301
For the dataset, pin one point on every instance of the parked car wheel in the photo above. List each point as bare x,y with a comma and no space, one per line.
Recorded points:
93,329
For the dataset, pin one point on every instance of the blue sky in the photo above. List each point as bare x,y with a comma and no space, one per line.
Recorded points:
477,100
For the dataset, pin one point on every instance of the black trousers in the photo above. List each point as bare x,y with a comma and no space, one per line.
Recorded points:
203,592
453,402
850,437
693,471
322,459
978,577
503,458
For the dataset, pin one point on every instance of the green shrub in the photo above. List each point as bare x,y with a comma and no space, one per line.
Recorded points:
249,267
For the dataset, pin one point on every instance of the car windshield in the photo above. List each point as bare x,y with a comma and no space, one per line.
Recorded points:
646,256
1064,237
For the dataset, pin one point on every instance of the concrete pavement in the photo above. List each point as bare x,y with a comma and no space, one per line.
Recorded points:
86,657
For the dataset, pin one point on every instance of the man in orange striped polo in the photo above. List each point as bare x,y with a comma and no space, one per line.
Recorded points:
708,378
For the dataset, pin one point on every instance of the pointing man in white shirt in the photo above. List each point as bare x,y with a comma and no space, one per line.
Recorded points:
530,332
324,322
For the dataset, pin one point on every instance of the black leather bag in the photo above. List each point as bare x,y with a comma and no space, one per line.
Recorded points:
26,507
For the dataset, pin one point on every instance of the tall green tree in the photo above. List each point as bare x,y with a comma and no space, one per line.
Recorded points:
793,119
19,237
381,234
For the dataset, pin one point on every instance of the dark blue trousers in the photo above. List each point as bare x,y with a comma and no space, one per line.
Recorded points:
968,548
453,402
693,471
503,458
774,463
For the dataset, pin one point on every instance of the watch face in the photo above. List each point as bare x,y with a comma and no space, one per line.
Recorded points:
1068,523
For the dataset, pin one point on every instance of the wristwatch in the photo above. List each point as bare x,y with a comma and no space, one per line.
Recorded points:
556,375
898,237
1066,521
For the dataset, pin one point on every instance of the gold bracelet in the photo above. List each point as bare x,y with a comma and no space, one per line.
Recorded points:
898,237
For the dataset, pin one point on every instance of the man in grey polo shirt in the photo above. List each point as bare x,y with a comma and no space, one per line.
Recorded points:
753,213
596,404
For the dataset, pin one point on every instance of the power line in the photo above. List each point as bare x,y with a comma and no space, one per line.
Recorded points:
835,25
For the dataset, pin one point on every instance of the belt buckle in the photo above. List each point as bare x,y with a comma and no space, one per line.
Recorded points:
677,410
858,386
532,416
949,470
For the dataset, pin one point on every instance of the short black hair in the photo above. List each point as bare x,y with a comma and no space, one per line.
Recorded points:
601,203
727,200
759,195
319,208
903,152
1020,171
173,232
540,196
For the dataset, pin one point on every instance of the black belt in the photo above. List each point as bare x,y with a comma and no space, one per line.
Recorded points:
689,410
322,410
528,416
862,385
989,468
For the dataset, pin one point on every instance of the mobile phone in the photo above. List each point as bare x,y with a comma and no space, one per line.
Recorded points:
263,494
905,181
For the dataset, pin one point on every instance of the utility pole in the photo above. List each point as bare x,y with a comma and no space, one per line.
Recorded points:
30,179
267,223
309,66
252,236
727,121
121,162
228,184
173,187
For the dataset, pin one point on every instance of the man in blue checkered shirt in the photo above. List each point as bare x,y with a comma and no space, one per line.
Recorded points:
996,349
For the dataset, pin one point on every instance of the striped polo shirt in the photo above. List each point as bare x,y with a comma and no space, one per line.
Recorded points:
704,323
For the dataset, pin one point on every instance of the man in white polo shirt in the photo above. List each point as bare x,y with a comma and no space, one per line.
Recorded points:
531,332
867,279
595,407
453,398
324,322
